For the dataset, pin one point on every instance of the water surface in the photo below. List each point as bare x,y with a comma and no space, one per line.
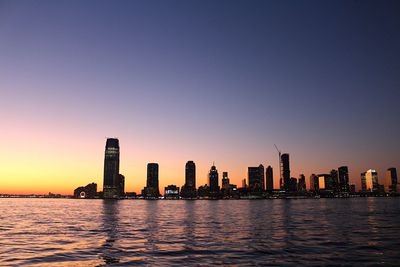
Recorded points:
68,232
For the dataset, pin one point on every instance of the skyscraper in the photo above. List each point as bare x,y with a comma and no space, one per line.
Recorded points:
111,168
301,186
285,169
120,185
256,178
344,179
190,175
213,181
369,181
391,177
225,181
269,179
151,190
314,183
189,189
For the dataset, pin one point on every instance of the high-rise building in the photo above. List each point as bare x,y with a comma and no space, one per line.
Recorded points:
334,181
391,177
256,178
225,180
244,184
152,190
269,177
111,168
344,179
323,182
213,180
285,169
120,185
189,189
314,183
301,185
369,181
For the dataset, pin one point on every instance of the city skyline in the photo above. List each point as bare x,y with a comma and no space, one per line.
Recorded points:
203,81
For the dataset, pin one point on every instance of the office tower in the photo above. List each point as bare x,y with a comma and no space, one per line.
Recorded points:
285,169
334,181
314,183
301,186
190,175
293,185
344,179
120,185
225,181
111,168
213,180
323,182
189,189
269,174
151,189
256,178
391,177
369,181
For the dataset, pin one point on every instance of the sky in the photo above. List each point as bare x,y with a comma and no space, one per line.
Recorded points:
194,80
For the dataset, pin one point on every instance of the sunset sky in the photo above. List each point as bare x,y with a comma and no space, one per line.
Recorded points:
193,80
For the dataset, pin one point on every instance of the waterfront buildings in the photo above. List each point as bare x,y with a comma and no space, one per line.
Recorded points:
285,173
88,191
111,168
189,188
152,190
213,181
391,177
301,186
343,173
255,176
171,192
369,181
314,183
269,177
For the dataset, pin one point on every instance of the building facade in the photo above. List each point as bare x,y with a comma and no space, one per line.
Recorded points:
111,168
255,176
152,190
269,179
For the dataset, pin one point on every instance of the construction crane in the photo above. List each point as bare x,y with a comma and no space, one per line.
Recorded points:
280,168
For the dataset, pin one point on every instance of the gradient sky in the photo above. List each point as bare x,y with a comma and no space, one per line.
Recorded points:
195,80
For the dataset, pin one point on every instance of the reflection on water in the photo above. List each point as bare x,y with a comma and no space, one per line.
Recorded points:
57,232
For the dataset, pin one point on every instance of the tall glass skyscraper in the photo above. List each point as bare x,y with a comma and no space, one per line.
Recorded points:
256,178
213,180
111,168
344,179
285,175
152,189
269,179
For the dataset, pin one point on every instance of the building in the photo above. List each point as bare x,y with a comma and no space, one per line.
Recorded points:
255,176
314,183
213,181
323,180
334,181
391,177
301,186
293,185
225,181
189,189
343,173
151,190
88,191
171,192
111,168
269,177
120,182
244,183
369,181
285,173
